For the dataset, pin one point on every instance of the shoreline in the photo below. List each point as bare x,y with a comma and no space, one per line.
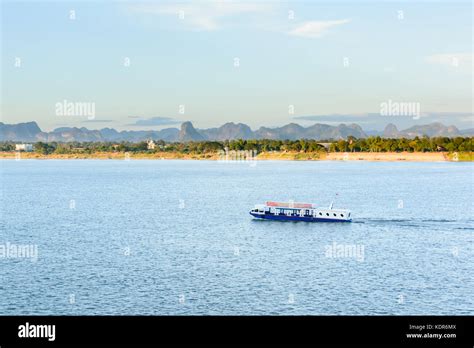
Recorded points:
264,156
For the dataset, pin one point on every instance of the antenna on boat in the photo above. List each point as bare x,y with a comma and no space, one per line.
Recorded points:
332,203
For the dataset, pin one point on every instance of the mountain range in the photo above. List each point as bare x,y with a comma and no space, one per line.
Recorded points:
31,132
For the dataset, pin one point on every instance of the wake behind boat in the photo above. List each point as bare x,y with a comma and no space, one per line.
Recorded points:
292,211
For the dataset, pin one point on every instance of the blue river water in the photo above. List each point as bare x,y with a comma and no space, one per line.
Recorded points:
175,238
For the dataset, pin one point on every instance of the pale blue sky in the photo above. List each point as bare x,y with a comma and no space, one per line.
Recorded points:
424,57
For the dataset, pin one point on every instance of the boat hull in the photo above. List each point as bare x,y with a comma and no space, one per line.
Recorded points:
296,218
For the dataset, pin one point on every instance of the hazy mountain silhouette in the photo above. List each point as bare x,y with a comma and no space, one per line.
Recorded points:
31,132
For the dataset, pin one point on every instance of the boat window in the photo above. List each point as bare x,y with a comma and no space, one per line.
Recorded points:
342,215
334,214
327,214
320,213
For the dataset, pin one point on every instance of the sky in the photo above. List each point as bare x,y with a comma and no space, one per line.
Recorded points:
155,64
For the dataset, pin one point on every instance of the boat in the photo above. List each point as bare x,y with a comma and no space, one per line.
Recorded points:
293,211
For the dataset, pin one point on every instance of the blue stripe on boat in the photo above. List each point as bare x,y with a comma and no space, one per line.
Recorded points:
296,218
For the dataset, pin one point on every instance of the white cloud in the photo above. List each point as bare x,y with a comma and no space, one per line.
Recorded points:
316,29
206,16
455,60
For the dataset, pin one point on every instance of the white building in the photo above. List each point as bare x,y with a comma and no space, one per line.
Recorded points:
151,145
24,147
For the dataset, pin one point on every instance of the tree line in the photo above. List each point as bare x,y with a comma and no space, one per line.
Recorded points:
351,144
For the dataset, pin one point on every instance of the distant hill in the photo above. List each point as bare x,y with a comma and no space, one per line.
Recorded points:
189,133
70,134
21,131
467,132
431,130
391,131
228,131
30,132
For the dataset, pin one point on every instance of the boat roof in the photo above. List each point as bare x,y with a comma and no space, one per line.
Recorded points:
290,204
313,207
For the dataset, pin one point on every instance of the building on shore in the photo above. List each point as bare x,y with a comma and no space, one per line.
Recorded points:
327,145
24,147
151,145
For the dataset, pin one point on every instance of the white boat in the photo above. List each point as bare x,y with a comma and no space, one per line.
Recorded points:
292,211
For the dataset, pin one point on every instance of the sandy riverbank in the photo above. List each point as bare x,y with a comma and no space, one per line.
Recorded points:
298,156
111,155
390,156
